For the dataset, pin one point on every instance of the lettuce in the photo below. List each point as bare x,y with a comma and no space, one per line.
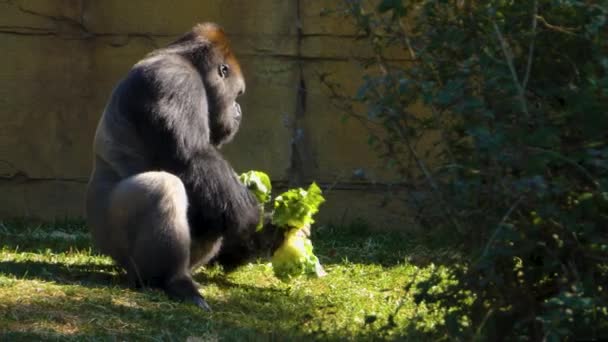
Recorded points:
295,208
258,183
294,257
293,211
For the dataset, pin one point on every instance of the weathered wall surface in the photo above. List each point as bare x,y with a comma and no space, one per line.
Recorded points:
60,59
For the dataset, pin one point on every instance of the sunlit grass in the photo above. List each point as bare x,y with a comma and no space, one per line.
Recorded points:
52,285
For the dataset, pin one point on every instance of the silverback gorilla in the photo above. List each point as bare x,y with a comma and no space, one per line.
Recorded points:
161,199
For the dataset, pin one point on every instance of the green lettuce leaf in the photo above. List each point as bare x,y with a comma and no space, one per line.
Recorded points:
258,183
296,207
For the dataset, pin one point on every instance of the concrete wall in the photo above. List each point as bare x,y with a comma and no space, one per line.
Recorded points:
59,60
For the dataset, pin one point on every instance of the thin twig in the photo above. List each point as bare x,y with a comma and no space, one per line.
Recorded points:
563,158
406,39
565,30
532,43
483,323
429,178
421,165
498,229
509,58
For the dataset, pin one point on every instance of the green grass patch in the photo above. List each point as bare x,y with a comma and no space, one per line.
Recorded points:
54,286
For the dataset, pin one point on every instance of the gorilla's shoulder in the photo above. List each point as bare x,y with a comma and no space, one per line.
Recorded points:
160,79
165,71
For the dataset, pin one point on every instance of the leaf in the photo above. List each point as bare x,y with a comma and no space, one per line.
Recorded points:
258,183
372,140
296,207
392,5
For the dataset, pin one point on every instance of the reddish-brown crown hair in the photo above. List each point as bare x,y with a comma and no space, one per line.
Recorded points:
216,36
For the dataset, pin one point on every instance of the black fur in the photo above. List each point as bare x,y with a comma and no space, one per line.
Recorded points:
171,113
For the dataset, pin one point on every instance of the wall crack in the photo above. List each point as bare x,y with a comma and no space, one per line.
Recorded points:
301,160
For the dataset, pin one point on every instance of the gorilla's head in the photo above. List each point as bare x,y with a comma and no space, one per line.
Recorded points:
209,50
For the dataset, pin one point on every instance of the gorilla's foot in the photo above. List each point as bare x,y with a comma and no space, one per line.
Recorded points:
201,303
183,288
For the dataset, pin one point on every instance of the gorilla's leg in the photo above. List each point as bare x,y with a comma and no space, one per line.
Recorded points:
152,208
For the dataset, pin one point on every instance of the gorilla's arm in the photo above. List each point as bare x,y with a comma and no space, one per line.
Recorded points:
238,250
223,203
220,205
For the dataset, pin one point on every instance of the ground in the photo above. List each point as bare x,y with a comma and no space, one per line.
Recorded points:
54,286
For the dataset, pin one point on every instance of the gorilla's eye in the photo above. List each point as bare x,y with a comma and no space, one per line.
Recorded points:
224,69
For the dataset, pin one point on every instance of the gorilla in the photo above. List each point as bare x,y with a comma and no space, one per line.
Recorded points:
161,200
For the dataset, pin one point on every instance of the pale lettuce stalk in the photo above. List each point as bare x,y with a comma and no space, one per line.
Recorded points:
295,257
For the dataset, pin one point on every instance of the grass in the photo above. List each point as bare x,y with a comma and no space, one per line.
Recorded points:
53,286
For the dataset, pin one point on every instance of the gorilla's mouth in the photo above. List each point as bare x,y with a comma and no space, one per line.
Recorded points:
225,127
237,111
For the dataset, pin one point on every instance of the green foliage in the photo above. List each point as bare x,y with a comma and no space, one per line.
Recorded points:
517,164
258,183
296,207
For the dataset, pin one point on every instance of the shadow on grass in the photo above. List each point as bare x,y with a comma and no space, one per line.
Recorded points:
103,307
89,275
26,244
97,318
49,318
358,243
32,236
354,243
248,313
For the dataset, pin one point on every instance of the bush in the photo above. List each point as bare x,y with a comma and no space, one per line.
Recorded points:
517,167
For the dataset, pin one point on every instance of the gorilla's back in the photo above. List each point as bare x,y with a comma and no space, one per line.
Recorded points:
117,154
